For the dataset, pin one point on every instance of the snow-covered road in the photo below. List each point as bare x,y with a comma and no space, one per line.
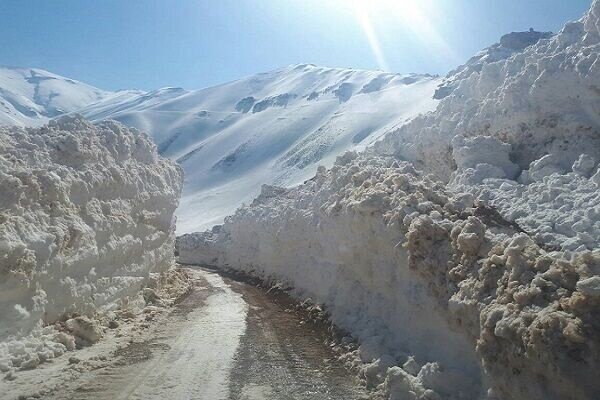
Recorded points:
226,340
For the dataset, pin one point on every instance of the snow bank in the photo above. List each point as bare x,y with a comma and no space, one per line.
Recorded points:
86,214
519,128
413,271
542,99
331,241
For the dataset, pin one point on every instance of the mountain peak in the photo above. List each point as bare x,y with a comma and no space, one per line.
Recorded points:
274,127
30,96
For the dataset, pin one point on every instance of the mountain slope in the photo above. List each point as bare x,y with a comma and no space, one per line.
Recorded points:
30,96
274,127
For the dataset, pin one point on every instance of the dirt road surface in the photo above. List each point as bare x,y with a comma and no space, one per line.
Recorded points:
226,340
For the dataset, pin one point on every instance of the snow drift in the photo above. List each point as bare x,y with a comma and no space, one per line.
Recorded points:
478,277
86,213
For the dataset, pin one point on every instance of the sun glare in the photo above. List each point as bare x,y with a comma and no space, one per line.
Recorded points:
414,15
362,14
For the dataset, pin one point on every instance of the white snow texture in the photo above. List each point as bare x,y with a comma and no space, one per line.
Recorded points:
30,97
478,277
274,128
522,134
86,214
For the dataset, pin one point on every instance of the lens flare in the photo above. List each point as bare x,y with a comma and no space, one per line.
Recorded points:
414,15
364,19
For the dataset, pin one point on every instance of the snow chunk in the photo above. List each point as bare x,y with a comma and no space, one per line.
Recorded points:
84,328
546,166
487,150
584,165
590,286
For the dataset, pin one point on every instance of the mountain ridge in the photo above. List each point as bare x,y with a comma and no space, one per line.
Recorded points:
32,96
274,127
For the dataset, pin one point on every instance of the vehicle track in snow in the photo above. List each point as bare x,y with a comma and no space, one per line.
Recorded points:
226,340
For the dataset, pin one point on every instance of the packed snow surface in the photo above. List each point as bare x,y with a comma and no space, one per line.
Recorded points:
30,97
462,249
86,215
274,128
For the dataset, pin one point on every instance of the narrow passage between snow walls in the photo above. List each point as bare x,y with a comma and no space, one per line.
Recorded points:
465,303
462,250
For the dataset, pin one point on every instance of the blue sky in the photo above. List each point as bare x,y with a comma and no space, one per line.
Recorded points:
117,44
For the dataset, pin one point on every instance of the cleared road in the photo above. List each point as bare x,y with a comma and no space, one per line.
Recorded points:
225,340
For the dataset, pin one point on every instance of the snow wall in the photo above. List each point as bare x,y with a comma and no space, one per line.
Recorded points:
413,271
86,213
479,277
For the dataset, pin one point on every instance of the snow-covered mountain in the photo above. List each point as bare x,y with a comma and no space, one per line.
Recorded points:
269,128
30,96
274,127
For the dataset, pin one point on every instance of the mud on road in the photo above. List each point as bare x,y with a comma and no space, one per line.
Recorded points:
282,357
